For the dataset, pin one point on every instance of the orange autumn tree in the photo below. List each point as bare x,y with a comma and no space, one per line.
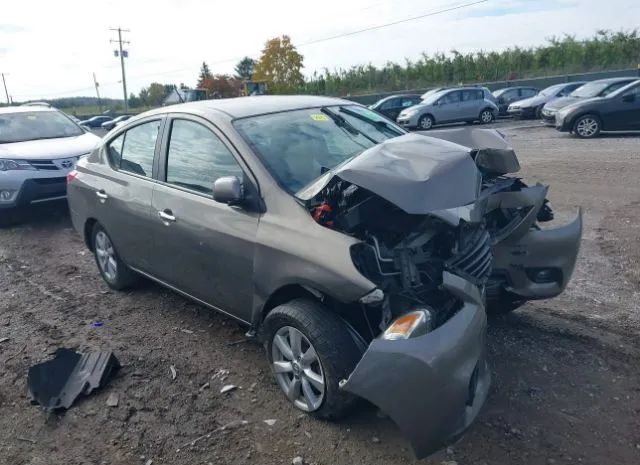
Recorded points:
280,65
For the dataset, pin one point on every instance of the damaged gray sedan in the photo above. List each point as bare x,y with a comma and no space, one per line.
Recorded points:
359,254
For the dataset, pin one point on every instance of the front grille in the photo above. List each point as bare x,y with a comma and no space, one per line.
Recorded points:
472,259
43,164
46,181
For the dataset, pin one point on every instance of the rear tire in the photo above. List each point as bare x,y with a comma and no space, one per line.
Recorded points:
326,336
486,116
112,269
587,126
425,122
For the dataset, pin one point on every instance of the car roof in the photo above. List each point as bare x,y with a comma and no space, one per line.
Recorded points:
242,107
26,109
617,79
388,97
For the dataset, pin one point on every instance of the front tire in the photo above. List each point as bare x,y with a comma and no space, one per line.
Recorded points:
486,116
112,269
425,122
587,126
310,351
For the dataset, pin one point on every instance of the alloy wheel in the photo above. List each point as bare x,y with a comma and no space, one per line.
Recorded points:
298,369
587,127
426,123
486,116
106,256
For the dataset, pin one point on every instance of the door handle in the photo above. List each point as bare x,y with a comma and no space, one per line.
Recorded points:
167,216
102,195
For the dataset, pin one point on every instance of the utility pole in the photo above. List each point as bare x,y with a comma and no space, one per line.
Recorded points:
5,89
123,54
95,82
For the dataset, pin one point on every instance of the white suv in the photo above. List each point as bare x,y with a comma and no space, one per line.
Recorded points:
39,146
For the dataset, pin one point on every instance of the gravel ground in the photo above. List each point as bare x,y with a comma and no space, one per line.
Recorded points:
566,372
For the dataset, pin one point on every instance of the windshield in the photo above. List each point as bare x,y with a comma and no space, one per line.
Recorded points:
300,145
32,125
552,90
594,89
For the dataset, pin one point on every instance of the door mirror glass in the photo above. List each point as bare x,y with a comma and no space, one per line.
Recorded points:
228,189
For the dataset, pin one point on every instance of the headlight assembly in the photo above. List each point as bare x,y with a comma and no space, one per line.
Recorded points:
10,165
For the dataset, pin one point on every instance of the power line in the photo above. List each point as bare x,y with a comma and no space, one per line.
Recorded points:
380,26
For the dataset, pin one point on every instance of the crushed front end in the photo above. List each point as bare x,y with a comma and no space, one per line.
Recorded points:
430,258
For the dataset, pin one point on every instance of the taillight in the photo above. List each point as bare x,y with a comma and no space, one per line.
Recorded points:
71,176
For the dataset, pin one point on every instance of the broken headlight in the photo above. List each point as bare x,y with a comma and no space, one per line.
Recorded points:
412,324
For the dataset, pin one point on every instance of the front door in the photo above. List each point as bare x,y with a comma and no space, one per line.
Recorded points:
625,112
202,247
449,107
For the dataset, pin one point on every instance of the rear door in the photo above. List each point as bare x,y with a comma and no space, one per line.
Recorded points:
202,247
471,103
391,108
122,190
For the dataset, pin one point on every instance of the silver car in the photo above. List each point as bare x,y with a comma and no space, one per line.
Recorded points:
39,146
460,104
336,237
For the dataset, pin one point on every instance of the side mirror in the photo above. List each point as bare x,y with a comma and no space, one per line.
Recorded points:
629,98
228,190
435,104
501,100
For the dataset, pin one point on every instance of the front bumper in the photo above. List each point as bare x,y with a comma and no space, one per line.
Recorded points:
431,386
408,121
539,249
33,186
522,112
548,117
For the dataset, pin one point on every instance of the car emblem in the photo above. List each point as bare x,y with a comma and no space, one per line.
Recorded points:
66,164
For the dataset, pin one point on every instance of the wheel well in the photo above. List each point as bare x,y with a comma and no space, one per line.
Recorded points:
486,108
433,118
286,294
578,116
88,228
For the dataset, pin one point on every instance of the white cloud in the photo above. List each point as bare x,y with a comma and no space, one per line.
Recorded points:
51,49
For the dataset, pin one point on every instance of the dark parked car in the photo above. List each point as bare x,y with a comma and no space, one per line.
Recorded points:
599,88
95,122
109,125
618,111
532,106
336,237
508,95
392,106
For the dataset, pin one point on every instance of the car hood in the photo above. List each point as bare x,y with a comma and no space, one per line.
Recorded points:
532,101
562,102
50,148
417,173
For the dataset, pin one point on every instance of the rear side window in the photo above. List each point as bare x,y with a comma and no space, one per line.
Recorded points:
389,104
133,150
197,157
468,95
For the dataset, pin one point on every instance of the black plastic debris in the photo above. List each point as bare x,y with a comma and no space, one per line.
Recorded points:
57,383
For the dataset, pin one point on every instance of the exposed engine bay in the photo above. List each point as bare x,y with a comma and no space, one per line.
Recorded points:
439,206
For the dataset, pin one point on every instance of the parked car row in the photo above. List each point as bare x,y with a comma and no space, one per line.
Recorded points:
104,122
582,108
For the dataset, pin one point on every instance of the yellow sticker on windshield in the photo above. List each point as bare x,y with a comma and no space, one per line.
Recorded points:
319,117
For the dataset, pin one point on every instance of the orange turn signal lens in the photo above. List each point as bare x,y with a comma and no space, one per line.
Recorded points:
414,323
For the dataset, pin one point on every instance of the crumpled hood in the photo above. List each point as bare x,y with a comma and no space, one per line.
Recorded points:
416,173
50,148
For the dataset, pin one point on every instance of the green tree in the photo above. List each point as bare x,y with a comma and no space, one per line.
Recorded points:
205,74
245,68
280,65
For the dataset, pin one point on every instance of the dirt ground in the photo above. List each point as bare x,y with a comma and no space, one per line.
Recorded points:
566,372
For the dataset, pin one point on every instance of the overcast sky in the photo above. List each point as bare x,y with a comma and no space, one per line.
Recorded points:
50,48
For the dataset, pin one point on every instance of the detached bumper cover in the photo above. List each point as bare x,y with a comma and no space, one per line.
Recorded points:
555,249
432,386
